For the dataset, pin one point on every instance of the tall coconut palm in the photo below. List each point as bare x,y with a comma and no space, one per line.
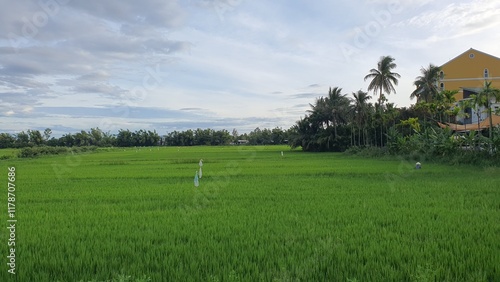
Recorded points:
383,80
361,110
426,84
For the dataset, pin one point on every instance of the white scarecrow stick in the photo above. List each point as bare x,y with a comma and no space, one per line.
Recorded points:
196,181
201,164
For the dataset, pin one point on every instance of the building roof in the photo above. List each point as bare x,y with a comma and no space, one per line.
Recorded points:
468,51
468,127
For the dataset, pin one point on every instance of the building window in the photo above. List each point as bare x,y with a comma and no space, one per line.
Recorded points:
441,74
486,73
441,86
471,55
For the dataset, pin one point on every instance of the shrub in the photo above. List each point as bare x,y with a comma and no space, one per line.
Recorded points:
32,152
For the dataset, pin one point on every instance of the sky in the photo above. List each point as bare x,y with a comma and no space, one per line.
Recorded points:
167,65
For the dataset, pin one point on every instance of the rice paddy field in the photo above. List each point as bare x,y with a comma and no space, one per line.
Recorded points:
257,215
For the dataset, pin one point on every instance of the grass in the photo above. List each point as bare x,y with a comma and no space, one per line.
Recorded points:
6,154
135,215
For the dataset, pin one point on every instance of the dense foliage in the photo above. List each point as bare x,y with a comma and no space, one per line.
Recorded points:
142,138
31,152
200,137
339,122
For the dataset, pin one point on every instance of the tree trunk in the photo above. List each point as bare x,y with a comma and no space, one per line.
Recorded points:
359,136
365,137
478,131
491,122
381,119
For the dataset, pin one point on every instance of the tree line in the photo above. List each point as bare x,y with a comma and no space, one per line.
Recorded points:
340,121
93,137
223,137
140,138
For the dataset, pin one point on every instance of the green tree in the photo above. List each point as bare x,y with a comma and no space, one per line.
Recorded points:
108,139
153,138
337,105
203,136
449,101
96,136
221,137
477,101
46,134
383,80
361,110
235,135
303,134
82,138
490,95
22,139
7,140
426,84
35,138
255,137
320,111
277,135
67,140
124,138
463,105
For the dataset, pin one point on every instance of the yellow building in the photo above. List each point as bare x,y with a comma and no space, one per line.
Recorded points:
467,74
469,70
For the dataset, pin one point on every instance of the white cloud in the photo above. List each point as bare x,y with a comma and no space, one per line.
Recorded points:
248,64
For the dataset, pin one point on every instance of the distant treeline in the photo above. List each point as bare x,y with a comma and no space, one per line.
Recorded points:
223,137
127,138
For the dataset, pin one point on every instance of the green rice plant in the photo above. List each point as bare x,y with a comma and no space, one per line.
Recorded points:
121,214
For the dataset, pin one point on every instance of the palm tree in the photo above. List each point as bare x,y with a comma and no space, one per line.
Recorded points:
303,134
361,110
320,111
477,100
383,80
338,105
448,101
463,105
426,84
391,113
491,95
